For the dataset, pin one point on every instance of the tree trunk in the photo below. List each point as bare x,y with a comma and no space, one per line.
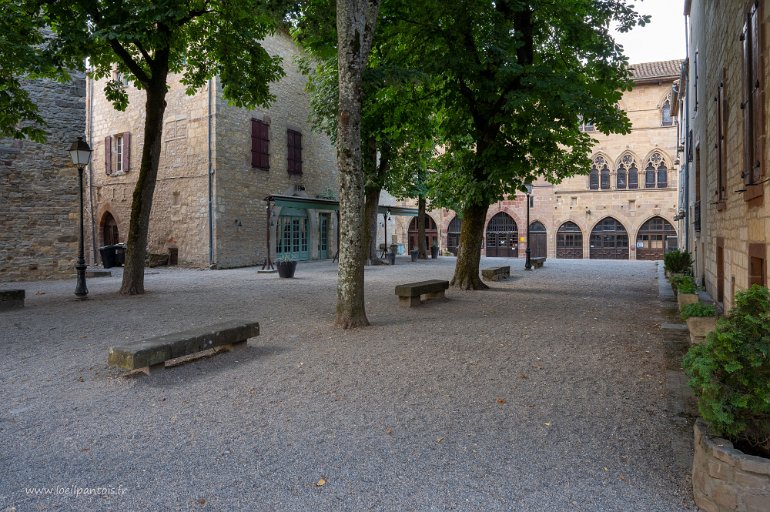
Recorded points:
422,246
469,255
371,217
355,28
141,205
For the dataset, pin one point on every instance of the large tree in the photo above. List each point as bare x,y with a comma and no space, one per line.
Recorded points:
518,76
146,41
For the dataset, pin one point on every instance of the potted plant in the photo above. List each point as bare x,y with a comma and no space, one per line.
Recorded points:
677,279
414,253
730,375
677,262
434,250
701,318
286,266
687,291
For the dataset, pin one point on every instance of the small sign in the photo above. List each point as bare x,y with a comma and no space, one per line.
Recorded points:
522,239
640,245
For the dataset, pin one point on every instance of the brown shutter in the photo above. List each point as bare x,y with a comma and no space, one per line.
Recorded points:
758,132
254,144
748,146
126,150
264,146
108,155
298,152
721,142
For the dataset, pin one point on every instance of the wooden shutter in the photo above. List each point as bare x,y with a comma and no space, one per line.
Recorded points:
108,155
748,146
757,104
264,146
298,152
254,143
721,142
126,150
294,151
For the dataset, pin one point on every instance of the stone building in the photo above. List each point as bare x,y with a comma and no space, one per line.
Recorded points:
218,165
624,208
725,119
39,188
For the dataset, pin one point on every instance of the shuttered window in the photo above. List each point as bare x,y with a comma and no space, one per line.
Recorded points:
117,153
294,156
260,145
752,102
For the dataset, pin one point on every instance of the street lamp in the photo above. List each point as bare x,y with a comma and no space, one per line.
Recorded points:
81,155
528,263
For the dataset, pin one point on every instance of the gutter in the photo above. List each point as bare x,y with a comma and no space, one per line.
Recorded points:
210,182
90,92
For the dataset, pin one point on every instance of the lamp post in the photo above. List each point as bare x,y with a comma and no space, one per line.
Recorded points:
81,155
528,263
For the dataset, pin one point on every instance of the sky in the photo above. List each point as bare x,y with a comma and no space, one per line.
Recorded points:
661,39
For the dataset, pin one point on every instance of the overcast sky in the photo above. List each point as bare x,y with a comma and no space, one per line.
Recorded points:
662,38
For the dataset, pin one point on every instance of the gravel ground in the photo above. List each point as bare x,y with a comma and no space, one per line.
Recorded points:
545,393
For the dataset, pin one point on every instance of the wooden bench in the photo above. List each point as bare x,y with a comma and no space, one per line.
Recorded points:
496,273
154,352
411,294
11,299
537,262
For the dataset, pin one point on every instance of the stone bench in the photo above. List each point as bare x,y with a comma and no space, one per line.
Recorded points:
537,262
11,299
496,273
154,352
411,294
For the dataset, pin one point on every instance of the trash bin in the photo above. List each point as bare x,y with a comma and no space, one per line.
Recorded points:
120,254
108,255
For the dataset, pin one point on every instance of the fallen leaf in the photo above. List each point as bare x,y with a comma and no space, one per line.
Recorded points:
85,449
201,501
523,376
605,469
537,366
547,423
389,430
320,483
440,440
501,400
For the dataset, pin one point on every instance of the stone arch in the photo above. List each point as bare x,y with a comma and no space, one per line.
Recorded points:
431,232
453,234
599,171
651,237
502,235
569,240
609,240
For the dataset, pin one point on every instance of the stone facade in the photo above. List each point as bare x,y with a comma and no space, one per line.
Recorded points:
728,212
39,188
575,201
209,200
725,479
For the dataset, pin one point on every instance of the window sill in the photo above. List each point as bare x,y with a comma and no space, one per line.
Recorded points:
754,194
117,173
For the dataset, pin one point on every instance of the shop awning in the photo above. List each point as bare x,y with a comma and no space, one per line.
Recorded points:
330,204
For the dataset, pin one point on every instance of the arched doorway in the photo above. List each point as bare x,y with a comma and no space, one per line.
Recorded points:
502,237
538,239
431,232
651,239
292,235
453,235
110,234
609,240
569,241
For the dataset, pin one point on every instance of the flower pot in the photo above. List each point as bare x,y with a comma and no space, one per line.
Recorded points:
434,252
700,326
724,478
414,253
286,268
392,258
686,298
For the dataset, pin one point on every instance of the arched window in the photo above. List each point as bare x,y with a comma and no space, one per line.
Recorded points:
633,176
626,172
665,114
656,172
569,241
453,235
651,239
609,240
431,232
600,173
502,236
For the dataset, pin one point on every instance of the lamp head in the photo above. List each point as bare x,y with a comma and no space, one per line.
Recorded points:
80,153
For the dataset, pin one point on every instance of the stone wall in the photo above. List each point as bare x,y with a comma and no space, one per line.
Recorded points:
725,479
736,222
39,188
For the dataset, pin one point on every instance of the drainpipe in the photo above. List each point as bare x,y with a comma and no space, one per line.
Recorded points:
210,180
688,141
90,93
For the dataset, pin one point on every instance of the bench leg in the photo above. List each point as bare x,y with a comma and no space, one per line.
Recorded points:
434,295
408,302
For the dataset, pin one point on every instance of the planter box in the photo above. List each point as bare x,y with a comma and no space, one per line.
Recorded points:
686,298
699,327
725,479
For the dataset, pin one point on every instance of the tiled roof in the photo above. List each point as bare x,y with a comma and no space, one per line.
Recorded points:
663,69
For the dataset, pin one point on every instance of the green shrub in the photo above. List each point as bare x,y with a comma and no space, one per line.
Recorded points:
687,285
730,373
677,262
697,309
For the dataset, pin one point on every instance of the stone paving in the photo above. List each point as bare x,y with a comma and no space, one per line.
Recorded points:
548,392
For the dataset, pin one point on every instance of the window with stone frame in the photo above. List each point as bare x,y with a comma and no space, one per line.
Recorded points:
665,113
600,174
294,157
117,153
752,101
757,264
656,172
626,171
260,145
586,126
